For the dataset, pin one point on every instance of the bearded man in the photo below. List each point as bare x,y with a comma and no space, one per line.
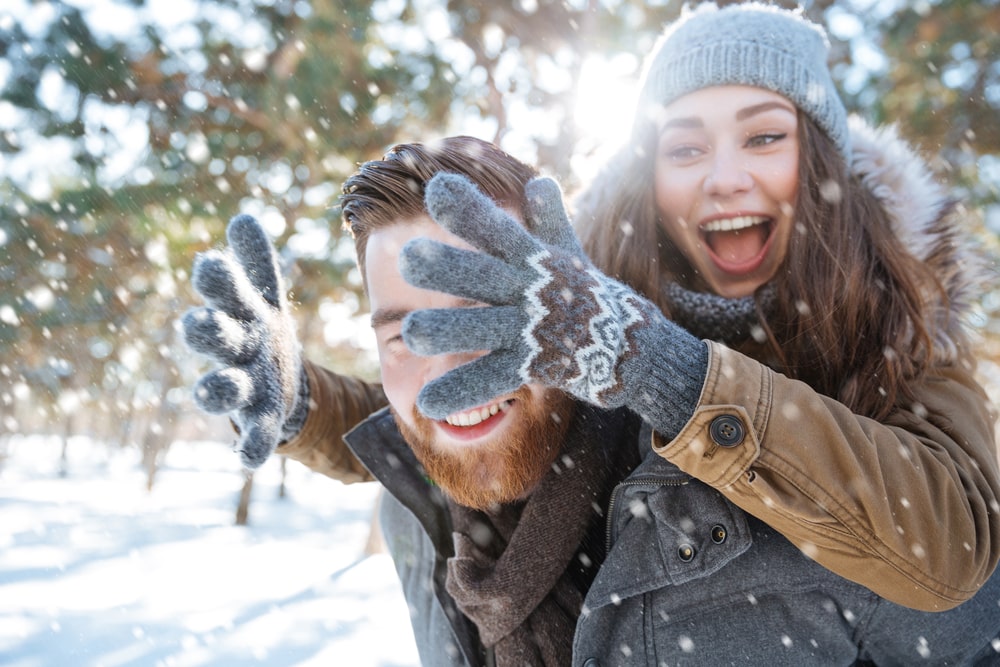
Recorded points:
494,515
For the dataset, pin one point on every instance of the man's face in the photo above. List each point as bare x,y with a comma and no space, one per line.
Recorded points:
495,453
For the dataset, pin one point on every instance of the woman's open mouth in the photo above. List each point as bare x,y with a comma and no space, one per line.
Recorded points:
738,245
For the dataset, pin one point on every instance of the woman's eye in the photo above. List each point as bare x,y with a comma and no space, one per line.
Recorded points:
766,138
681,152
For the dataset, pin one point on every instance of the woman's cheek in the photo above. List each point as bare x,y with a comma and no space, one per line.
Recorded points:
673,193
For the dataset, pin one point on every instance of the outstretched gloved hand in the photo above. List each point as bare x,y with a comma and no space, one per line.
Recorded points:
552,317
247,327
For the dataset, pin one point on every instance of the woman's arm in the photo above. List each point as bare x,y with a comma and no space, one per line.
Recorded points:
909,508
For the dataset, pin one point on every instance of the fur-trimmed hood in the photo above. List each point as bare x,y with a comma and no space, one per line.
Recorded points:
924,218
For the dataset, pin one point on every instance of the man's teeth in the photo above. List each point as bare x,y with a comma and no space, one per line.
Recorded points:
733,224
473,417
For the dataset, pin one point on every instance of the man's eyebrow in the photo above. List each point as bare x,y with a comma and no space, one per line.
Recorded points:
384,316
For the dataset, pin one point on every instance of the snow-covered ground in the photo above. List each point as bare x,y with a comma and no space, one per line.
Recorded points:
95,571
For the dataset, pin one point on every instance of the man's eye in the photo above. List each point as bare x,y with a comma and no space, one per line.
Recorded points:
389,338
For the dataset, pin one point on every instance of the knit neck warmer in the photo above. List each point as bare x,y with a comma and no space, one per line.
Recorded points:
709,316
512,569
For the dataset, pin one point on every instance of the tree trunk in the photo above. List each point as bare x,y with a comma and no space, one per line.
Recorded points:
156,441
243,509
284,475
375,543
64,449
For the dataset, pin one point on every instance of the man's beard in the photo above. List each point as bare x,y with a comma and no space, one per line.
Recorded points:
502,469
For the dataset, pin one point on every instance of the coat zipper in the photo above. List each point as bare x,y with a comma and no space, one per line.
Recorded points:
639,481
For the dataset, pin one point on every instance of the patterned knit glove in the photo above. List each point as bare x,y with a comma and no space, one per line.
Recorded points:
248,328
554,318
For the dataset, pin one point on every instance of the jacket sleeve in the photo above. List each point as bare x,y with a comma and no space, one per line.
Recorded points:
337,404
909,508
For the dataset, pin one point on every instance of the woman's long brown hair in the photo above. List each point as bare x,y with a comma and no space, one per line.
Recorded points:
850,318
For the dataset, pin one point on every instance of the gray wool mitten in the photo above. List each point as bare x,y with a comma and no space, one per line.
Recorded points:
248,328
552,317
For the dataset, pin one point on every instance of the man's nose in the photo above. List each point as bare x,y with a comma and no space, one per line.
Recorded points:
439,364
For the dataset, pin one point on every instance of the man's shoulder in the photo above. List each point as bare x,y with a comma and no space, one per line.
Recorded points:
379,425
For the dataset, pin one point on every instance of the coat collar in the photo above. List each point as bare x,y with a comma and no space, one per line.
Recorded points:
380,447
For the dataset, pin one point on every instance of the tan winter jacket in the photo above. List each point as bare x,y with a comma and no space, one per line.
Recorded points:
909,508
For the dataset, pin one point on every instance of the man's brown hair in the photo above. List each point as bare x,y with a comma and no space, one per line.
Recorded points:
391,190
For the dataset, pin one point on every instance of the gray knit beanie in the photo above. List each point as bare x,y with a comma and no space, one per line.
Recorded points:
748,44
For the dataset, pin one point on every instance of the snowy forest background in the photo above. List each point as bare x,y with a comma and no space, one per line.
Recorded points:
132,130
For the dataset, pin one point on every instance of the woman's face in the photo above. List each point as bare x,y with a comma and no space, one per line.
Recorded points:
726,176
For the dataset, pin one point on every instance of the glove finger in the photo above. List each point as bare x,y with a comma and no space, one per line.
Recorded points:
258,442
224,285
451,330
474,275
223,390
213,333
547,218
475,383
256,254
459,206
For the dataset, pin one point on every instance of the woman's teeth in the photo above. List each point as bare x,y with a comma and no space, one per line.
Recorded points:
733,224
473,417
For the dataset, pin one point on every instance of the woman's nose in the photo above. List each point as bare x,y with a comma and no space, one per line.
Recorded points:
727,176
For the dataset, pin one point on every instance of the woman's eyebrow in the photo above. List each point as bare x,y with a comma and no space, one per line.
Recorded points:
686,122
742,114
747,112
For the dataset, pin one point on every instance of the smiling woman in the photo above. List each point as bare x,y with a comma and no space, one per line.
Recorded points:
825,267
725,181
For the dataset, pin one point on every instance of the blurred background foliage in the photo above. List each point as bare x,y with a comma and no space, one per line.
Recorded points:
131,130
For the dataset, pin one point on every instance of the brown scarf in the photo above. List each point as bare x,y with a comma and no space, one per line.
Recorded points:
510,572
